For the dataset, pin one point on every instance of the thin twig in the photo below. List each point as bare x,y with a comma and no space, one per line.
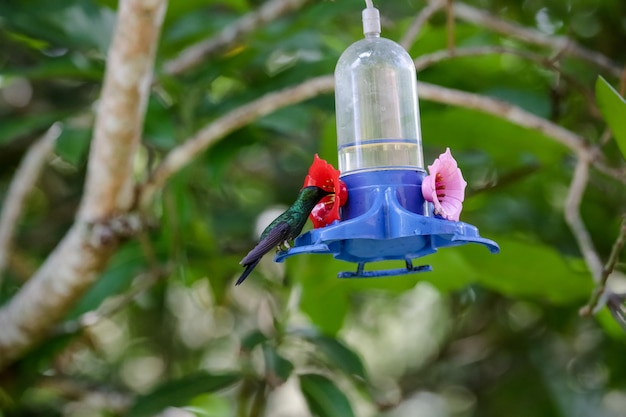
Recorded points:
618,174
557,43
199,52
450,25
594,302
260,398
575,222
427,12
235,119
605,137
22,184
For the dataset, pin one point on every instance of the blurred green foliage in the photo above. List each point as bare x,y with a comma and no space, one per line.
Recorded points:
480,335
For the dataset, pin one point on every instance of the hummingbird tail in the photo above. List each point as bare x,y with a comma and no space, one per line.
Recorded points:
246,272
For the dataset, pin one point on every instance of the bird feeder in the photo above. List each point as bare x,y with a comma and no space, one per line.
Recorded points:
386,216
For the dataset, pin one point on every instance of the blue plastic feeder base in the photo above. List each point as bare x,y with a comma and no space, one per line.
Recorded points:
385,218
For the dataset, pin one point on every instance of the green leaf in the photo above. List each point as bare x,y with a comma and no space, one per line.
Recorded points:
527,269
531,101
180,392
252,339
72,145
610,326
324,398
330,314
210,405
75,66
338,354
125,265
318,276
613,108
47,21
16,127
464,131
159,130
277,368
288,120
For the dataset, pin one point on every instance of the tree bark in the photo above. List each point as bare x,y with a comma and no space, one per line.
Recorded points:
84,251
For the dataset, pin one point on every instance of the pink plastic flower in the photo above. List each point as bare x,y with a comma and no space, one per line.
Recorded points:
324,175
445,187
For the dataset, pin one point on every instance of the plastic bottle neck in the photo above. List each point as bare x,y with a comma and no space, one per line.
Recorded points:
371,22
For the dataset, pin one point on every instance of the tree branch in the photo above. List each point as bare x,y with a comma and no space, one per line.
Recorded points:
520,117
83,252
241,116
63,277
450,25
196,54
427,60
427,12
94,253
594,302
575,222
507,111
121,112
22,184
557,43
235,119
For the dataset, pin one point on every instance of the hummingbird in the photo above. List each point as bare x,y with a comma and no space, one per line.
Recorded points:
285,227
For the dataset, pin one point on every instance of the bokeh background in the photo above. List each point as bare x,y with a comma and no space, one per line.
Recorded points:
164,330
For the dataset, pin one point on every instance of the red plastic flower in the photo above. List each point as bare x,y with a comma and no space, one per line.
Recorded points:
324,175
445,187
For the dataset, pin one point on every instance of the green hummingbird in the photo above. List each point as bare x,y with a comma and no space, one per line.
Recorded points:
285,227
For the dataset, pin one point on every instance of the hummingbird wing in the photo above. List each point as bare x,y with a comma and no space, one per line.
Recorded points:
274,237
285,227
247,271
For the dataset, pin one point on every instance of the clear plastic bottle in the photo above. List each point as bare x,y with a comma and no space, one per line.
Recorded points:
377,111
